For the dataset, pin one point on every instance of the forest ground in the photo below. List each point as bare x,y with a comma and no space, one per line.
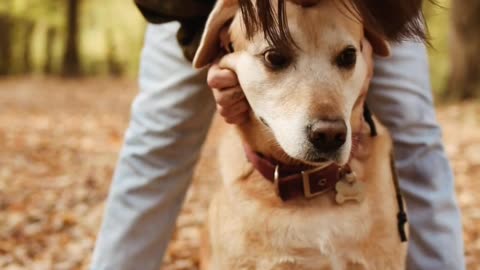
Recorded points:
59,141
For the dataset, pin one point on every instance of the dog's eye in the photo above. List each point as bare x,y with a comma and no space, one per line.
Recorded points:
347,58
276,60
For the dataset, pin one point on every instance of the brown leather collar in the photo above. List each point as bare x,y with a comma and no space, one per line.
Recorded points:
294,181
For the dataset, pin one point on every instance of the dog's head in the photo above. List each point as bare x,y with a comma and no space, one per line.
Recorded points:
304,89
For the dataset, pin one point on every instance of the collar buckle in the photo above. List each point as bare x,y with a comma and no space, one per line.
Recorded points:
321,183
309,183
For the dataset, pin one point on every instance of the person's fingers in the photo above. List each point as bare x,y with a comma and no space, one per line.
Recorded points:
231,102
237,119
227,97
221,78
234,109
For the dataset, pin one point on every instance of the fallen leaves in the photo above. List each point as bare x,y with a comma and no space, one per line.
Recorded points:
58,144
461,128
58,147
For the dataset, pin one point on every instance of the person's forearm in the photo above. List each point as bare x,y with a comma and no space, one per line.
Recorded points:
169,121
401,98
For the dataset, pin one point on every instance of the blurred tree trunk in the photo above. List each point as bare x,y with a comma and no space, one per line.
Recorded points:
27,46
5,44
50,42
71,58
115,67
465,42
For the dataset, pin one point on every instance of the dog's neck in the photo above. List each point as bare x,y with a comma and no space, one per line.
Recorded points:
292,178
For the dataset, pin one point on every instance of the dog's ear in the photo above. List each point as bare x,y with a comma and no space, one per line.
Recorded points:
209,47
380,44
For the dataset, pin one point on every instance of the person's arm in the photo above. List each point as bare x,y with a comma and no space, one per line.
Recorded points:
170,118
401,97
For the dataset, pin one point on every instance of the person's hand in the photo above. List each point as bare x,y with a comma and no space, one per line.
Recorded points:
231,102
367,53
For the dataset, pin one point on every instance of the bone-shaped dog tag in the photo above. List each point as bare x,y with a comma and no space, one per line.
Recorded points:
349,189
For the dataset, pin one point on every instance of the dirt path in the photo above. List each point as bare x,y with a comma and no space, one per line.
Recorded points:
58,146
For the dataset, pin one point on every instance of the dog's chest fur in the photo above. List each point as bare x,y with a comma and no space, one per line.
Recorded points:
250,228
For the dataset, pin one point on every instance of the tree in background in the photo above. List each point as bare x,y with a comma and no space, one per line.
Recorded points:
27,27
465,42
5,44
49,50
71,59
21,22
70,37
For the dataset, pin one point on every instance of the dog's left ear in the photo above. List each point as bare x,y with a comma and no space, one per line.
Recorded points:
380,44
209,47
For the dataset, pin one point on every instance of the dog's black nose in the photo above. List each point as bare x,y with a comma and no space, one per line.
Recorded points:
328,135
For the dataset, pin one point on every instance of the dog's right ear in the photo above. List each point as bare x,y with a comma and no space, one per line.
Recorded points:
380,45
209,47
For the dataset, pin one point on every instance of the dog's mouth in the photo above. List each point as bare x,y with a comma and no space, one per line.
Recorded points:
311,157
316,158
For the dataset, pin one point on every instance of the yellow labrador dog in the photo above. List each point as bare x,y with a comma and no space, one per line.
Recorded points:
308,180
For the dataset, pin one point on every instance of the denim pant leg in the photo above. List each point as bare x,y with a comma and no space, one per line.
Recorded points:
169,121
401,98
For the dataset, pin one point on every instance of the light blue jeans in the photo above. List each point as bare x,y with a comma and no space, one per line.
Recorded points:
169,121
